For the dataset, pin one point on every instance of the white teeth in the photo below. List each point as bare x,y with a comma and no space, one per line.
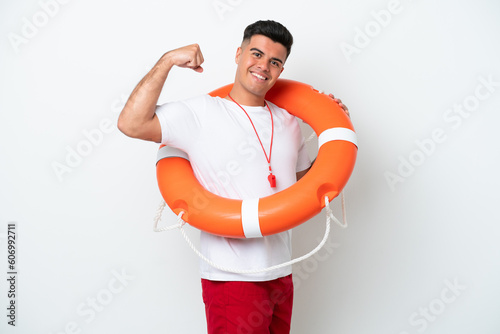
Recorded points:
258,76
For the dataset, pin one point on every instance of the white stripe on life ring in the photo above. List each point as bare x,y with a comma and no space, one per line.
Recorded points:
169,152
250,218
337,134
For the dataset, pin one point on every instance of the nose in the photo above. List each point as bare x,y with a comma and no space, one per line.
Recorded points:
263,64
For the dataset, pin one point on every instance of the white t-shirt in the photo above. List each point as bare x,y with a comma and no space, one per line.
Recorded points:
228,160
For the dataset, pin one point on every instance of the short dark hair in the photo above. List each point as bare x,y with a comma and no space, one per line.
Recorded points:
271,29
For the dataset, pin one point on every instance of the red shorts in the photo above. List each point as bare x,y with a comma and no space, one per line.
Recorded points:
248,307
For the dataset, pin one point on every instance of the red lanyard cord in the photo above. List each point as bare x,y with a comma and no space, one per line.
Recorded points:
272,179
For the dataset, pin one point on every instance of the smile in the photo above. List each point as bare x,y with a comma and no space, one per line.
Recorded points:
258,76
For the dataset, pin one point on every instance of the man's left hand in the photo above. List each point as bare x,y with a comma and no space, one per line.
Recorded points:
339,102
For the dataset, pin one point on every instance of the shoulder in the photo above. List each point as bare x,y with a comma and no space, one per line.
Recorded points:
197,103
202,102
200,99
277,109
282,113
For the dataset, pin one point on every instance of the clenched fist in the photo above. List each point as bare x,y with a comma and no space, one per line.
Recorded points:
189,56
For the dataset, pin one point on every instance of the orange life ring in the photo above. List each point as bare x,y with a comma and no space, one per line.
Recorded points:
285,209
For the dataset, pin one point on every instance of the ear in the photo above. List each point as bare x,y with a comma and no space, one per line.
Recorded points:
238,54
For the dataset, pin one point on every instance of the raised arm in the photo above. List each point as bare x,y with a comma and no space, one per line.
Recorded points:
138,118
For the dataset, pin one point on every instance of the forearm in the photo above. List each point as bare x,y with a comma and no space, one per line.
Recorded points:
141,105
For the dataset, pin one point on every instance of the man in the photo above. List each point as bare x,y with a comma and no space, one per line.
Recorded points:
260,149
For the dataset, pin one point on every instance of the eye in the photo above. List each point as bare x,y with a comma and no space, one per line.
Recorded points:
276,64
257,54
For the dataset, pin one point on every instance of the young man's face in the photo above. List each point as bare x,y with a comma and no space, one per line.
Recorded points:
260,63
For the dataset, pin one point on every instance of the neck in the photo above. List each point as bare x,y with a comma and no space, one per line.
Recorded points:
246,98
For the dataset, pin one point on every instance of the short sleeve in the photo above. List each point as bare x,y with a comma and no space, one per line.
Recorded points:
179,122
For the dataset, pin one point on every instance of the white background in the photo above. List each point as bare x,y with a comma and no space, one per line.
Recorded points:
422,215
